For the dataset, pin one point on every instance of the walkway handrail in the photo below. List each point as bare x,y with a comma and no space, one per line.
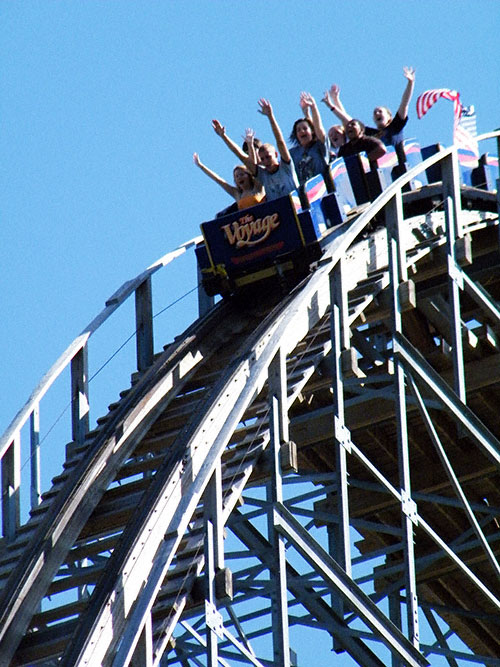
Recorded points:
79,343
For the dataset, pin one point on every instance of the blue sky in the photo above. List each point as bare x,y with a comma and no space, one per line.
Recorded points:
102,104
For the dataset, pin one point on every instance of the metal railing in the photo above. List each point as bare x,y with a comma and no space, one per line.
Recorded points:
76,358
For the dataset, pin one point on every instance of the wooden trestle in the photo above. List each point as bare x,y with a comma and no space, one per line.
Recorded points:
329,458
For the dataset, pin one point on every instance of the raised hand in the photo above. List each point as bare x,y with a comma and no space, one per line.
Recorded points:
326,100
333,97
249,135
220,130
265,107
409,73
306,100
335,91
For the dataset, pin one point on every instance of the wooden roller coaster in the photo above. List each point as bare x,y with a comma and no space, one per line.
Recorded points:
324,461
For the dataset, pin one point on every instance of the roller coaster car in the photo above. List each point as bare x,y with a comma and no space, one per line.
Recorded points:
279,238
256,243
285,236
485,174
474,172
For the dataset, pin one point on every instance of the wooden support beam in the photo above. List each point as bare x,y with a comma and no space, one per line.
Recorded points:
11,481
80,395
144,324
143,654
35,489
277,384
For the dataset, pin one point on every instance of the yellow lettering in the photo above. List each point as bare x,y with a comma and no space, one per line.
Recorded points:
249,232
230,235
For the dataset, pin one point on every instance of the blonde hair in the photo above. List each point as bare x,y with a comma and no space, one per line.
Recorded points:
268,146
385,109
340,129
245,169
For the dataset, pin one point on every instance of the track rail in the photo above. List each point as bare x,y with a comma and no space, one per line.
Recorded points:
169,505
144,472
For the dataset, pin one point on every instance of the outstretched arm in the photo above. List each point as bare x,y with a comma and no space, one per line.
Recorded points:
332,100
267,110
409,74
306,111
319,130
251,158
220,130
230,189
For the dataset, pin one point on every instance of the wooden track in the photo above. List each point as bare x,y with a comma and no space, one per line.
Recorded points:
124,519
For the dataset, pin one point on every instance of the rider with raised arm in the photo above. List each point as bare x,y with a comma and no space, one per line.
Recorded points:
245,190
277,176
242,155
311,147
389,129
359,142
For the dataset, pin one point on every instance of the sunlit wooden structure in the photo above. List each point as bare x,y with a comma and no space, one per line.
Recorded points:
326,460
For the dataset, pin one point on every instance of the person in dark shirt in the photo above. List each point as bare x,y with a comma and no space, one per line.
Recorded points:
359,142
389,128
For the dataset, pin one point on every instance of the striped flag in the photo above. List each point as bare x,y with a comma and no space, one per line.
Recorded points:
426,100
465,132
464,124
